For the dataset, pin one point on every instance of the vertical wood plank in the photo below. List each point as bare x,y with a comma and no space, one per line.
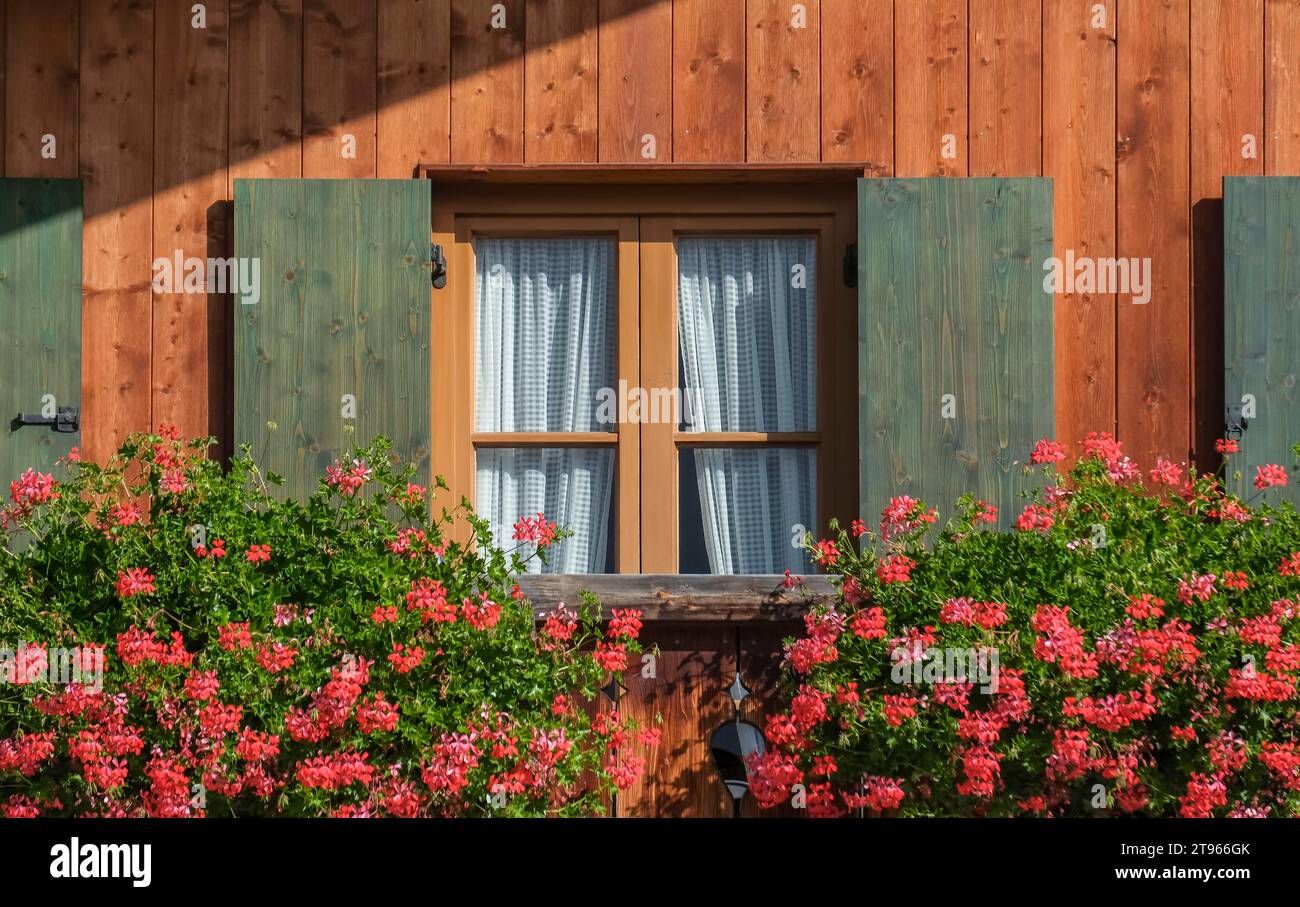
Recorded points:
709,80
930,81
191,331
560,81
4,22
1153,382
1079,156
338,88
1227,109
857,95
761,654
1006,129
783,79
116,168
689,691
1282,86
414,115
266,87
41,82
487,88
1262,325
636,81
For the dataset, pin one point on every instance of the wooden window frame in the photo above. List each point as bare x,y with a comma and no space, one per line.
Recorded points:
651,215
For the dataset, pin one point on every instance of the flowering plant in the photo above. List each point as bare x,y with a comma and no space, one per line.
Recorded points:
1133,647
236,654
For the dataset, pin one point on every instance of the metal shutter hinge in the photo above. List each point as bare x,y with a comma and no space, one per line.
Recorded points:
1237,423
439,266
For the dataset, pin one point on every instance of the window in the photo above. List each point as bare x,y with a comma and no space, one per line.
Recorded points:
669,387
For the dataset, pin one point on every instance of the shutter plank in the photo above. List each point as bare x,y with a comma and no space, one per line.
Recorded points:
1262,322
40,316
344,310
952,302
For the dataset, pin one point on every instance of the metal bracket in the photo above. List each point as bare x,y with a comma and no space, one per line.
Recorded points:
851,266
68,419
1236,422
439,266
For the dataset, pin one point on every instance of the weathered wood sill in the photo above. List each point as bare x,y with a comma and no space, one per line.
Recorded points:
681,597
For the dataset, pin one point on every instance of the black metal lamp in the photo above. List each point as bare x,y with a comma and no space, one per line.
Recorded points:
731,745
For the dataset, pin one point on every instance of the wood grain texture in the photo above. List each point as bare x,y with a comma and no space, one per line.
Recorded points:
487,89
783,81
675,597
344,309
709,80
42,79
266,89
1228,110
857,99
687,699
191,333
952,303
1282,86
414,85
116,167
338,88
1262,323
930,83
1153,355
635,84
761,655
4,23
560,72
40,316
1079,156
1006,59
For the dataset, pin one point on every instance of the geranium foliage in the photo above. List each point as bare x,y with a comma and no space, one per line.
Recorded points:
1145,628
355,654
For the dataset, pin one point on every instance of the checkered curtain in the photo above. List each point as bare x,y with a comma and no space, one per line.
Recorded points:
747,329
546,311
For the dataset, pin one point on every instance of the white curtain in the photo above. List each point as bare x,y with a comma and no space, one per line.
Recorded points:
747,333
546,312
570,486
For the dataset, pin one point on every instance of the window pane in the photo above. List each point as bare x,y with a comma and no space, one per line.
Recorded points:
571,486
747,332
546,332
739,509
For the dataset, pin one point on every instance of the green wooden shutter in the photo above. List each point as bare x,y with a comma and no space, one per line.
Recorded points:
1261,315
40,318
951,302
344,310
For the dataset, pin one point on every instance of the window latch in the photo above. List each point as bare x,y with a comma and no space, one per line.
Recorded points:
1237,423
439,266
68,419
851,266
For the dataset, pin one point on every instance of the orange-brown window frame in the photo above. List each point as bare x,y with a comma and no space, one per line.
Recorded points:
646,220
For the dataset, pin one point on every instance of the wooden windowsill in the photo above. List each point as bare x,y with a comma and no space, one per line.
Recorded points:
682,597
